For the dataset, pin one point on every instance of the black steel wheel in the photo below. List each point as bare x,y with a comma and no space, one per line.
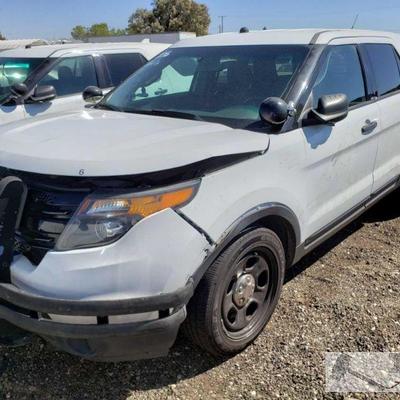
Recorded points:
238,294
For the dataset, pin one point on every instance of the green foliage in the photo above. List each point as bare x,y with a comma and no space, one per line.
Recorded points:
2,37
99,30
171,16
117,32
80,32
144,21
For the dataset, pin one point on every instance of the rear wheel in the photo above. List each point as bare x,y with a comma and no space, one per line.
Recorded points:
238,294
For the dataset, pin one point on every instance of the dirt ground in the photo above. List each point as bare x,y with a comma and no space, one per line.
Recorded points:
343,297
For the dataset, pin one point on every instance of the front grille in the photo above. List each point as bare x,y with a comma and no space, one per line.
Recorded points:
46,213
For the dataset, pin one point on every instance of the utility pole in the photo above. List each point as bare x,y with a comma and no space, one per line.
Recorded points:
221,27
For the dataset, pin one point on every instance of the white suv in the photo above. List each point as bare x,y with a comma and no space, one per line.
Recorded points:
43,79
187,198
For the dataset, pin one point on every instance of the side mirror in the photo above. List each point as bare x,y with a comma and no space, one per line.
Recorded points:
274,110
331,109
43,93
92,94
19,89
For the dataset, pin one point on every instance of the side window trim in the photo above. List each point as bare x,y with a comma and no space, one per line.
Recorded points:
103,75
396,56
372,86
366,70
95,69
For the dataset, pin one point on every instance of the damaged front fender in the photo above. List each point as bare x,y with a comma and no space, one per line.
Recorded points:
158,255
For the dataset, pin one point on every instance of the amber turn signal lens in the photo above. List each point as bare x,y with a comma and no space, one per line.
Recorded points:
147,205
136,204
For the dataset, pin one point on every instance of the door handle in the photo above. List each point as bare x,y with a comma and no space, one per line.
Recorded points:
369,127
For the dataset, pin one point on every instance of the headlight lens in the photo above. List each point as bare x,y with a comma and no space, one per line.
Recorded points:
103,218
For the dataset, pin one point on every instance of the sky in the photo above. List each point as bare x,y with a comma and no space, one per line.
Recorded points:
53,19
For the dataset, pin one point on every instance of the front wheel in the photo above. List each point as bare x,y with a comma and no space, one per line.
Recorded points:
238,293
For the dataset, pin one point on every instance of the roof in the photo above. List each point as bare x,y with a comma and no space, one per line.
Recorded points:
13,44
282,36
160,37
149,50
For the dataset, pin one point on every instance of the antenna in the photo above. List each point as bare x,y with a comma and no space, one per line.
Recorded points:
221,27
355,21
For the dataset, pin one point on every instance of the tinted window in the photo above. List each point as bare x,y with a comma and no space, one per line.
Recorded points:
341,73
120,66
385,67
71,75
223,84
15,70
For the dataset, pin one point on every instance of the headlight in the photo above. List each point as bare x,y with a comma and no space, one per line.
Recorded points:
103,218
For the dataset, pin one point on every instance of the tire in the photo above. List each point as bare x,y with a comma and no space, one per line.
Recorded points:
224,316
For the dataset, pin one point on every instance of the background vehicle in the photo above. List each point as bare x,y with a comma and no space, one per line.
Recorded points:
195,195
55,76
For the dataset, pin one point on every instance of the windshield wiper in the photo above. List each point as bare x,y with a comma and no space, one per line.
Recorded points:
166,113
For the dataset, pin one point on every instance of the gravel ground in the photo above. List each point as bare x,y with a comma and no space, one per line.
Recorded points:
343,297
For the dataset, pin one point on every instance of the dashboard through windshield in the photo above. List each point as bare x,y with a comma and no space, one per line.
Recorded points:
224,84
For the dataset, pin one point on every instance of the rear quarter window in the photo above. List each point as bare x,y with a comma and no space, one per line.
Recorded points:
384,62
120,66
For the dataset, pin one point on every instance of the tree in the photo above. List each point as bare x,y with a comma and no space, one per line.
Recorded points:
79,32
100,29
117,32
2,37
170,16
144,21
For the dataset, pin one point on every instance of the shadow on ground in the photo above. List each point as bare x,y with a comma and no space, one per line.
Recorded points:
387,209
28,372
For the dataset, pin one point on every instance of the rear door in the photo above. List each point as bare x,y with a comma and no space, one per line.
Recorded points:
385,65
70,76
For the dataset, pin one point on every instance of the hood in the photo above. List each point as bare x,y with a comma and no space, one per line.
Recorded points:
96,143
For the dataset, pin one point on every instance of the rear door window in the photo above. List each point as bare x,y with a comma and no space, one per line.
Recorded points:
120,66
383,58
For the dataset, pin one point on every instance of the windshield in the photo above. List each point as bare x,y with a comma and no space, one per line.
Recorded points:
15,70
223,84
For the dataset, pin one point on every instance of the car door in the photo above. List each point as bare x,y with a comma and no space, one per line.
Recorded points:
340,158
70,76
385,64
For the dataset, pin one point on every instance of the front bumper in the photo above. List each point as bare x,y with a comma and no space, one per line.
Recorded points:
122,301
103,341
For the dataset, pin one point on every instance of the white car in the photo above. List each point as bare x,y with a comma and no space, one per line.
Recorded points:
43,79
185,194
